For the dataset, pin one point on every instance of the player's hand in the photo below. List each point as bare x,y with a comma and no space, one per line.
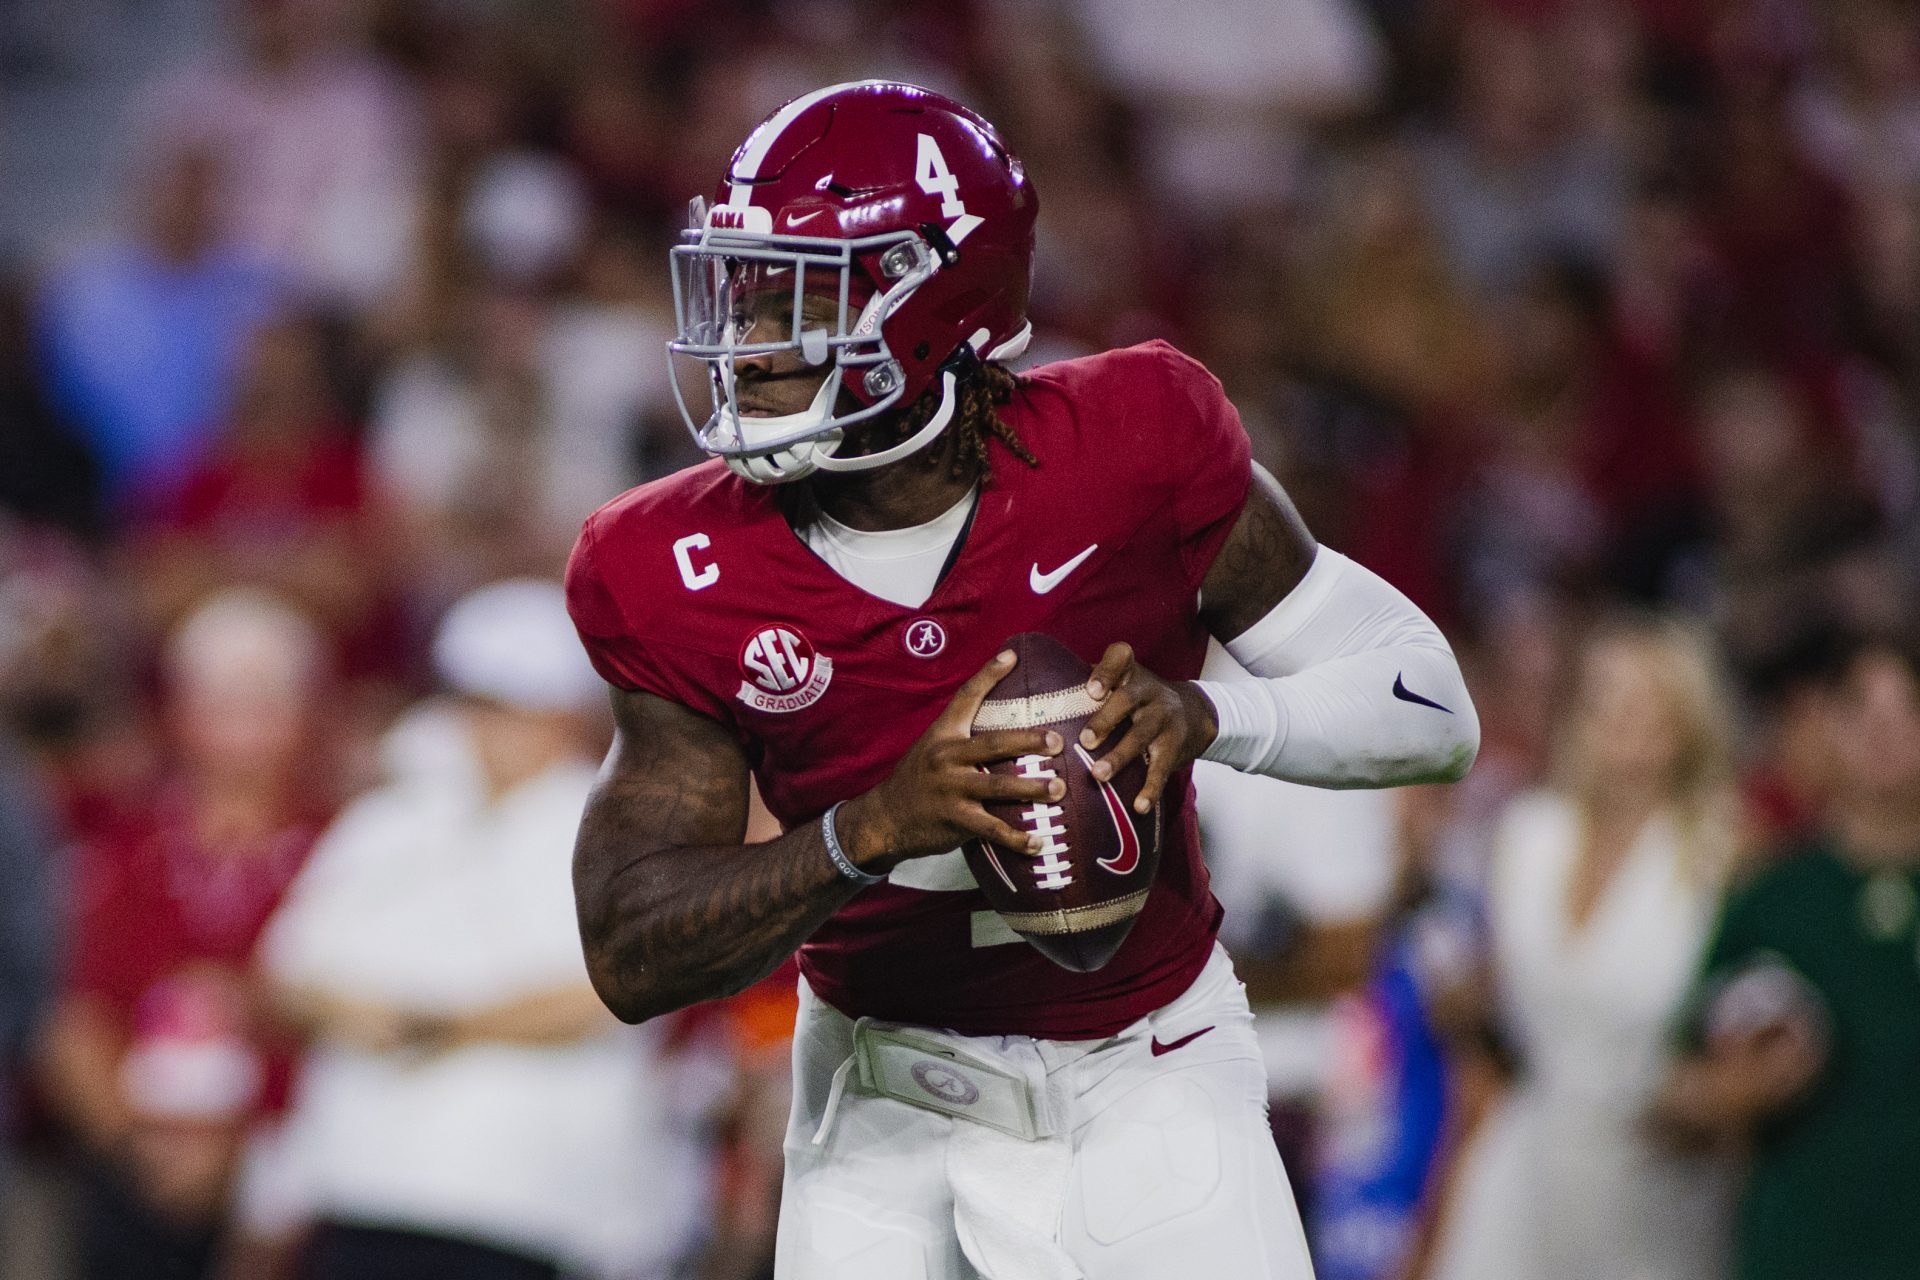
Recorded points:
1171,723
934,799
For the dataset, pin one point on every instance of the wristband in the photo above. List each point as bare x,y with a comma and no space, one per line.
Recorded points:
841,862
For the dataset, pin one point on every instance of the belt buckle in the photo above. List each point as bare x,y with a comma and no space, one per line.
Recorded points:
925,1069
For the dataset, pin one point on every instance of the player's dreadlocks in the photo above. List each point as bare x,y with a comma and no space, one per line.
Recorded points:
976,420
982,389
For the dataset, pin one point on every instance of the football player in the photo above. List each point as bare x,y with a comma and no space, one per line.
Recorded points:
822,608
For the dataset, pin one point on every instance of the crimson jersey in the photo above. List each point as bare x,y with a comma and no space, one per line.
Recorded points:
695,589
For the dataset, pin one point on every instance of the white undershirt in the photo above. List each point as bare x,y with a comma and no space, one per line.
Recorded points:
901,565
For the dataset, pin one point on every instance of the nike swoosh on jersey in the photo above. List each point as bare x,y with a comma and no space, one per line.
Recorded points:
1405,694
1045,582
1183,1041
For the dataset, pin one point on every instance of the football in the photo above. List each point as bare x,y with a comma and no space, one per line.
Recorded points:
1077,898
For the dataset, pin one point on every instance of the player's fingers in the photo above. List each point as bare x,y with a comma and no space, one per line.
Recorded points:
979,822
1119,705
1160,758
1006,744
1002,786
1144,729
1111,671
959,714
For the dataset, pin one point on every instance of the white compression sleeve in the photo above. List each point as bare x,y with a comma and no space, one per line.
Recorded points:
1354,687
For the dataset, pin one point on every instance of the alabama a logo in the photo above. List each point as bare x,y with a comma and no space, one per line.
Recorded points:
780,670
945,1083
924,638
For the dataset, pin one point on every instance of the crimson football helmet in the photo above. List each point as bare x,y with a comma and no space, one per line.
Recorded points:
877,226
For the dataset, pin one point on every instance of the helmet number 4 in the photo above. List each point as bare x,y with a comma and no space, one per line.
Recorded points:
931,172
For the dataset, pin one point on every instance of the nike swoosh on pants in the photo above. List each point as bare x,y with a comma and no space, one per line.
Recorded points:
1183,1041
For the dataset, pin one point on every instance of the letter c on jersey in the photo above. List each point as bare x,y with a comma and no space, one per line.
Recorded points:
696,579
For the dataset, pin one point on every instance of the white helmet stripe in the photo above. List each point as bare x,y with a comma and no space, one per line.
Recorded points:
740,194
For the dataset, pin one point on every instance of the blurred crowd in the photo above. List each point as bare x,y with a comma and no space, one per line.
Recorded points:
1594,325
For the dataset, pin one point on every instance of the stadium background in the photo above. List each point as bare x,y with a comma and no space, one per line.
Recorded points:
1543,309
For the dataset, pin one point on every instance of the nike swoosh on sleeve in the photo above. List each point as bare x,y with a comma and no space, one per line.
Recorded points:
1405,694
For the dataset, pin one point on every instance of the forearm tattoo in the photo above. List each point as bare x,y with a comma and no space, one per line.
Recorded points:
673,908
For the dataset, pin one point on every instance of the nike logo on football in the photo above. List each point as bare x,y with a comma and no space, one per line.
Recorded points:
1183,1041
1405,694
1045,582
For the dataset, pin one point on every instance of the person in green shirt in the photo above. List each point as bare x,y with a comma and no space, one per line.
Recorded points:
1805,1045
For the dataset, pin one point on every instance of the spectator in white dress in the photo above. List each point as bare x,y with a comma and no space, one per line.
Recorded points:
469,1109
1603,891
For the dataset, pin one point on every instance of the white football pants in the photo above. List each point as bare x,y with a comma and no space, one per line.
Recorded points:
1163,1165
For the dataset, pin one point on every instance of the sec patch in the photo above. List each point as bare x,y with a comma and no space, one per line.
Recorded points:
780,671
